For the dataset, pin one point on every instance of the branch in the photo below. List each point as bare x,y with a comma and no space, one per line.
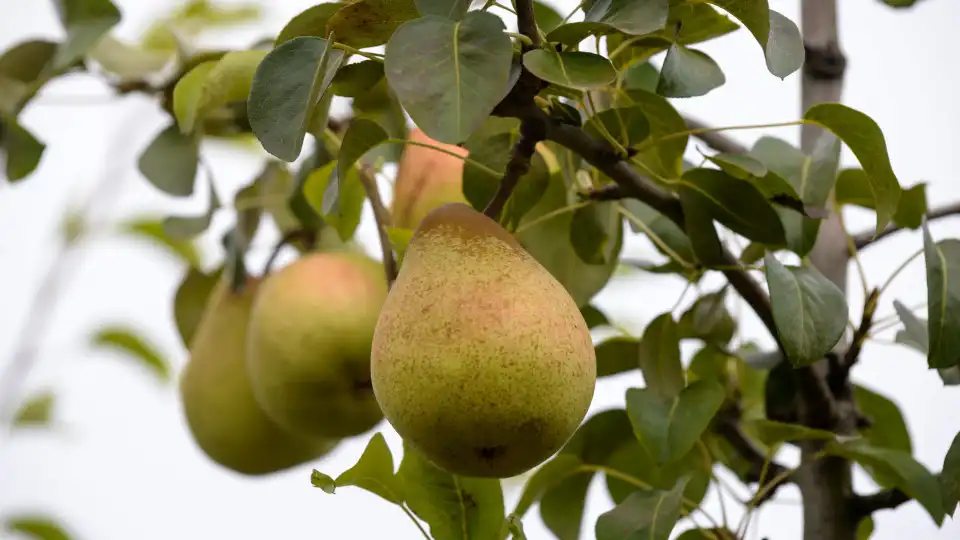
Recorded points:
865,505
531,132
859,336
715,139
864,239
527,23
382,216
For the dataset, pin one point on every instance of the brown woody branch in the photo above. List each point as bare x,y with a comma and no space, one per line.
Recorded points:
382,217
864,239
531,132
865,505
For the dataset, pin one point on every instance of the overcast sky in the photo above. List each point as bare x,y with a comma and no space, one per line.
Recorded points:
120,463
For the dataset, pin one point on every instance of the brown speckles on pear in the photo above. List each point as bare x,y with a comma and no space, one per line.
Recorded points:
480,357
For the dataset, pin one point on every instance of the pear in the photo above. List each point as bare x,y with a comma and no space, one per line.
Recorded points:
426,179
481,359
311,329
221,412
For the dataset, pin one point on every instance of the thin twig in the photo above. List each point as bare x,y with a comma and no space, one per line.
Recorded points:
840,375
382,216
307,235
864,239
715,139
760,467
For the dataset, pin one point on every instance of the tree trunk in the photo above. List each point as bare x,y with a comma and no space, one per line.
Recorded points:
825,483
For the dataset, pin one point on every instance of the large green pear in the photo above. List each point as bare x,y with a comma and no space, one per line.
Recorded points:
218,402
481,360
311,331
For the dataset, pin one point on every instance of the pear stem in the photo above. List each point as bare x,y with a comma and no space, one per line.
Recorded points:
306,235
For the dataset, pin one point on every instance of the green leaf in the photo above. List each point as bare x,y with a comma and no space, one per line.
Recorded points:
866,141
126,340
36,412
451,9
561,506
659,357
644,514
735,203
631,17
449,75
779,37
127,62
286,88
572,69
912,207
374,472
527,194
169,163
546,16
898,469
594,317
915,332
668,429
190,301
152,230
86,21
700,229
225,81
617,355
591,230
773,433
812,177
739,166
22,67
362,136
441,499
665,229
688,73
183,227
548,241
950,477
21,150
810,312
323,481
784,49
632,460
345,212
37,527
356,79
665,158
889,430
627,125
310,22
369,23
545,477
400,239
943,300
708,319
865,528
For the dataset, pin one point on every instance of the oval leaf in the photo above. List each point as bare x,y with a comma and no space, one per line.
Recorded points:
311,22
369,23
668,429
784,50
950,477
228,80
630,16
127,341
943,300
573,69
285,91
617,355
374,471
170,162
437,497
451,9
36,412
659,357
866,141
449,75
650,515
688,73
810,312
735,203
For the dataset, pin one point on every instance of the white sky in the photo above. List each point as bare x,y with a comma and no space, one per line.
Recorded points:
121,465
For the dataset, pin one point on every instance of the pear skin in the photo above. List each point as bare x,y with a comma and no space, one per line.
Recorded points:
426,179
221,412
481,359
309,348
